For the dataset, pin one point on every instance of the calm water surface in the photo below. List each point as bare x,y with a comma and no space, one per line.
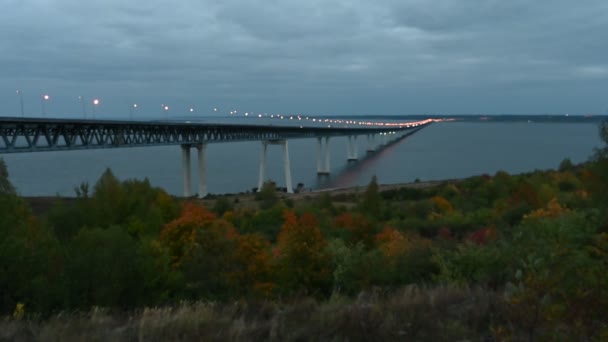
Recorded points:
440,151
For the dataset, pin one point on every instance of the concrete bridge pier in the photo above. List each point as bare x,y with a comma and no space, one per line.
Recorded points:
186,169
202,171
286,164
323,168
377,141
370,143
352,152
319,153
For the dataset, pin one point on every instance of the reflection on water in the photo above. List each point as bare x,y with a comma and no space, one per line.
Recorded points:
348,174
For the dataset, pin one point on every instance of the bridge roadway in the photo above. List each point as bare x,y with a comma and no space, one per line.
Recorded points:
41,134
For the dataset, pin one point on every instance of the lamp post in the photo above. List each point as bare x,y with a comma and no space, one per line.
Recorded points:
84,110
165,111
43,100
21,101
95,104
132,108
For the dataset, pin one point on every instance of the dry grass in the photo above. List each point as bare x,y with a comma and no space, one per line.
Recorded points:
417,314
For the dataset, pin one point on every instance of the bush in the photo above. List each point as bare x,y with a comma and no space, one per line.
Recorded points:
566,165
267,196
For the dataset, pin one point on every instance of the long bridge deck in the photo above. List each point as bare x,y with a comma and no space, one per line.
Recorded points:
32,135
40,135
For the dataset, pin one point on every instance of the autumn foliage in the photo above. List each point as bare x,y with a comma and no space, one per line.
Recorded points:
180,235
302,264
536,243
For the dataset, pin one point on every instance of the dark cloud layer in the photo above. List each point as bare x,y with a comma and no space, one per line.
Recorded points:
342,57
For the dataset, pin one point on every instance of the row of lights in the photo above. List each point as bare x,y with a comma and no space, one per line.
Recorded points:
340,121
44,98
330,121
96,102
165,109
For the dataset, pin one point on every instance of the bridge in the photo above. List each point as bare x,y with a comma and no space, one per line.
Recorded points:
18,135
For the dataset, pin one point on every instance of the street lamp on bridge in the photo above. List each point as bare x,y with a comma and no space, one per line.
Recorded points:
84,110
96,103
165,111
21,101
132,109
43,100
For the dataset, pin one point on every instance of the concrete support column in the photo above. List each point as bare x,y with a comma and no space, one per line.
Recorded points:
349,147
352,148
186,169
319,153
262,165
371,142
286,164
327,168
322,156
202,171
288,184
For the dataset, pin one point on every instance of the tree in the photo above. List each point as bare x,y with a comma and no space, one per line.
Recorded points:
201,247
30,265
132,204
222,205
558,277
179,235
251,270
6,188
303,265
105,268
566,165
358,229
596,177
350,274
393,243
371,203
209,265
267,195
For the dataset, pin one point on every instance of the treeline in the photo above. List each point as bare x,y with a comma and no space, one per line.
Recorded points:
536,242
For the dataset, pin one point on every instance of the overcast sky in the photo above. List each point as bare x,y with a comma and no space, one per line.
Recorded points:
305,56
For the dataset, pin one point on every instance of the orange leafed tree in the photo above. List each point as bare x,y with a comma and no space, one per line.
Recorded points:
552,210
302,262
344,220
442,205
392,242
180,235
252,270
360,228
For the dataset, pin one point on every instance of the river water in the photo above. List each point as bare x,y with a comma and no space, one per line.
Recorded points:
441,151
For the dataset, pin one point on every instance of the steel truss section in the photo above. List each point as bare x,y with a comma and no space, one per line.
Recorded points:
30,135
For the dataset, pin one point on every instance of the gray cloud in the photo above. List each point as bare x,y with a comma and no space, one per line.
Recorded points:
407,56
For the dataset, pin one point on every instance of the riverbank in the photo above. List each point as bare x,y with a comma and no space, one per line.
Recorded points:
40,205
